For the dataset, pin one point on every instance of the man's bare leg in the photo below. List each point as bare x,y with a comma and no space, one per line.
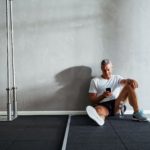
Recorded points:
127,92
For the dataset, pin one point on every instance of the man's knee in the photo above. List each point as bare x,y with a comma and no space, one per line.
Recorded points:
101,110
129,87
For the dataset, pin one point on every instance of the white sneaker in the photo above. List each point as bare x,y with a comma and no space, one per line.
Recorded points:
94,115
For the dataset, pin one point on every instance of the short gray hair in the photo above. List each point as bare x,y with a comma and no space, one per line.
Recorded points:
105,62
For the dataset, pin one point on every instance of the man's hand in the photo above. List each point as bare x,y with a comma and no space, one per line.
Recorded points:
107,94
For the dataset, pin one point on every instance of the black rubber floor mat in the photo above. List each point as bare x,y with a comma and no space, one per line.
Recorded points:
33,132
116,134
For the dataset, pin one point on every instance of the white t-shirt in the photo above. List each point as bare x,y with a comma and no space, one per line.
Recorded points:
98,85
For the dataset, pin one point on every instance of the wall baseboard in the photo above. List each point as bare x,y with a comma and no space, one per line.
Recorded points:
24,113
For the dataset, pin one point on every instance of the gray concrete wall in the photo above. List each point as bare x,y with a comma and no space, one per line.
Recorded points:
59,44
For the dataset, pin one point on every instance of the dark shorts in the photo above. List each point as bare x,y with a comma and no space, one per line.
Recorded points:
110,105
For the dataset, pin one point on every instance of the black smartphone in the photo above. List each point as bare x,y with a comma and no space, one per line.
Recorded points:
108,89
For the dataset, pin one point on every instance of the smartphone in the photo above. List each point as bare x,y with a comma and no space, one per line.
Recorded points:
108,89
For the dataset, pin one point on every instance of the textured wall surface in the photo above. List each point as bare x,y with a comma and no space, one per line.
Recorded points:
59,44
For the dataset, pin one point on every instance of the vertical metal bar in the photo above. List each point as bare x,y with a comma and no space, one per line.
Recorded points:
8,64
13,59
66,134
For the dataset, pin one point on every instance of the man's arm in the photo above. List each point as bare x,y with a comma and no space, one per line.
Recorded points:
95,100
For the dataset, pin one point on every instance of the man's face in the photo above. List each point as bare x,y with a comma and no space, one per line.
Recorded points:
107,71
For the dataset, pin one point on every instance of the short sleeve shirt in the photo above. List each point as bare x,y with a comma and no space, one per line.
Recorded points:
98,85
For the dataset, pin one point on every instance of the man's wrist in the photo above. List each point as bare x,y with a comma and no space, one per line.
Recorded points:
101,97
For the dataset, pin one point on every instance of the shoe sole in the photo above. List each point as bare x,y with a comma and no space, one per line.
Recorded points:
94,116
135,119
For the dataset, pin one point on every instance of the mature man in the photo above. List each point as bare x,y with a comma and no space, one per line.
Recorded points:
108,91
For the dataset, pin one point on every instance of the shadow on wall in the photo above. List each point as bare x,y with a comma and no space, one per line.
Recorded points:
74,83
72,92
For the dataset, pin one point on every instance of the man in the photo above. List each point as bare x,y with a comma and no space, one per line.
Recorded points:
107,102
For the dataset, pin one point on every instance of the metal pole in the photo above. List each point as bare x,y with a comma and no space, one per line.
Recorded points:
8,65
13,64
64,145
